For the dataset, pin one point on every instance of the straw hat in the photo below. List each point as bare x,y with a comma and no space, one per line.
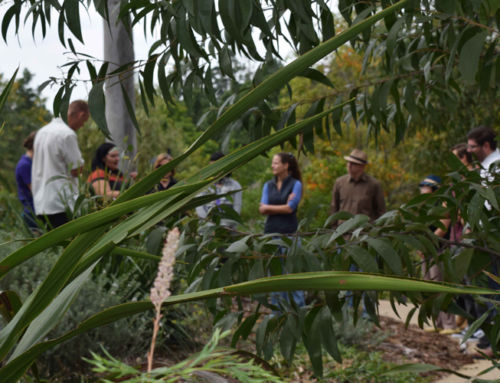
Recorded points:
357,156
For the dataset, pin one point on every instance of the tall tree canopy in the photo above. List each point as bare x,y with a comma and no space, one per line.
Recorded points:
429,52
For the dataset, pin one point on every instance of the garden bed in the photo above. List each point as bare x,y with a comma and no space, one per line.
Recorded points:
413,345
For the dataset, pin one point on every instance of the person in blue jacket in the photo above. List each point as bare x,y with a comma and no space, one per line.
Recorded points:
23,179
280,199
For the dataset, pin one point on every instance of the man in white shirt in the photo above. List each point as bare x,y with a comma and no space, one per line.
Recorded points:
57,162
481,141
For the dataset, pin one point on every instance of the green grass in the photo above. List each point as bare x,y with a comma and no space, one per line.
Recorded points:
357,366
367,366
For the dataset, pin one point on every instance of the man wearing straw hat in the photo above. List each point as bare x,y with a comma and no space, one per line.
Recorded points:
357,192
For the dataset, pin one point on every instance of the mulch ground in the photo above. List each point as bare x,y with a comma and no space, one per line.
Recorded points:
413,345
403,345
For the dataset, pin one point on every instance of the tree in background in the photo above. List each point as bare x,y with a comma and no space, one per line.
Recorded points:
415,68
119,52
398,164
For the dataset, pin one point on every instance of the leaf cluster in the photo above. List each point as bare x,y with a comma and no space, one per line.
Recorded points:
427,60
211,363
388,246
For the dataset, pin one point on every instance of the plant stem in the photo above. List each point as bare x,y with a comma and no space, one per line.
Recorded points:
156,327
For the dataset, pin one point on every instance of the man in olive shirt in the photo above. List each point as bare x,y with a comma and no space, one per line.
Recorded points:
357,192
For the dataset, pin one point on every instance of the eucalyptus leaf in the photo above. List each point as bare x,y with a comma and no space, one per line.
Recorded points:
469,56
97,106
6,90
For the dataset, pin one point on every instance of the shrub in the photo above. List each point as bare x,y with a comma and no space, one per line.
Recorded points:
122,338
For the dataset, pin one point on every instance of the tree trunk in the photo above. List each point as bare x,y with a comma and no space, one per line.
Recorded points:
118,51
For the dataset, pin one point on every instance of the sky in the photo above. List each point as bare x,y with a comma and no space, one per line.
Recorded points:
44,57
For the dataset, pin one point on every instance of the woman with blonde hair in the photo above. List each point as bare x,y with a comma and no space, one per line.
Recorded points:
168,179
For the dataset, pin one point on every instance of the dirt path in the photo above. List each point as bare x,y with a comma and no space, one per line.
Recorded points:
449,357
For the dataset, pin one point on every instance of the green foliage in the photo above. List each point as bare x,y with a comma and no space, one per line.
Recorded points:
399,164
420,68
211,363
363,366
68,264
388,246
414,215
105,289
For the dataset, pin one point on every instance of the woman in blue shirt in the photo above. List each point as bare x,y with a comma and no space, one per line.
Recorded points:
280,199
281,195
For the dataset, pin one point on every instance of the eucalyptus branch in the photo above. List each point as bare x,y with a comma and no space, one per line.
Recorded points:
475,23
430,235
469,246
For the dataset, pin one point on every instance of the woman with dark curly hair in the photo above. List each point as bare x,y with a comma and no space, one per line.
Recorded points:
106,178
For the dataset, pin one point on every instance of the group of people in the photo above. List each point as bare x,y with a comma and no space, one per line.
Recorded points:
47,177
481,146
47,183
358,193
47,174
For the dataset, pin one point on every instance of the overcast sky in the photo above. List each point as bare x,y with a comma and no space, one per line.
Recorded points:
43,57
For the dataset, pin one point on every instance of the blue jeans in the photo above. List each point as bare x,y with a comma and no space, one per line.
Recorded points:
298,296
350,299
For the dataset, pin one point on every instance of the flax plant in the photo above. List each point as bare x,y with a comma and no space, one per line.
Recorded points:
160,290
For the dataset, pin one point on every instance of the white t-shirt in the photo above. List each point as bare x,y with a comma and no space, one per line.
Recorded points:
486,172
55,154
223,186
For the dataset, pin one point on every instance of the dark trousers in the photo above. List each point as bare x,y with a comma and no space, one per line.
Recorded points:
53,220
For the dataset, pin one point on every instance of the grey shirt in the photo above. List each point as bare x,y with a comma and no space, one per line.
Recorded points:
223,186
